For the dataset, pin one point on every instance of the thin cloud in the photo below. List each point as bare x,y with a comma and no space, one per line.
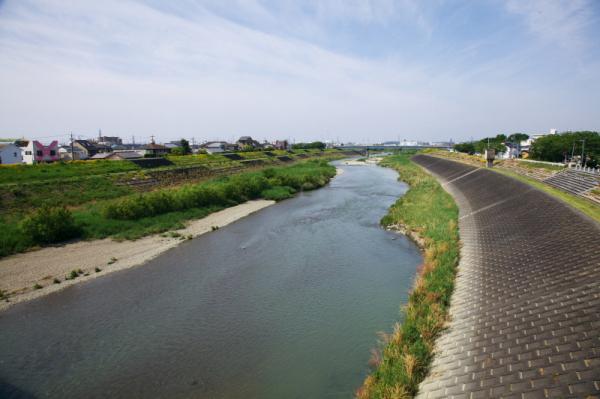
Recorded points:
198,69
563,22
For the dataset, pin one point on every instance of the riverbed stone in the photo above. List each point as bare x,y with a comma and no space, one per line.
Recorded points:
525,312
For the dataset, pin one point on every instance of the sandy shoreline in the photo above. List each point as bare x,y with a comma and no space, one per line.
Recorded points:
368,161
21,272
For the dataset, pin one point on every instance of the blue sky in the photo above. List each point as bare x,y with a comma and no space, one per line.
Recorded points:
354,70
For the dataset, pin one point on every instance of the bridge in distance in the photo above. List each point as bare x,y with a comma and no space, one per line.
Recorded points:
381,147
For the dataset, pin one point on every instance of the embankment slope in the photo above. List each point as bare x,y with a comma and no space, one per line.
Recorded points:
524,313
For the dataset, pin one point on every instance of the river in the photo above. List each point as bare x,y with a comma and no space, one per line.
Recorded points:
285,303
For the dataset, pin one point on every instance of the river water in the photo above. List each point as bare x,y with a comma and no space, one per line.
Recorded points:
285,303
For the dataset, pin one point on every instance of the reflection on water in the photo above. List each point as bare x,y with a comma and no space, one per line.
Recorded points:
285,303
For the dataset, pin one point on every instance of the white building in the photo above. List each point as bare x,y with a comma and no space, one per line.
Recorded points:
10,154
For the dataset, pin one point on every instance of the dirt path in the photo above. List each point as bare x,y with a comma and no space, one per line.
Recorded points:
20,273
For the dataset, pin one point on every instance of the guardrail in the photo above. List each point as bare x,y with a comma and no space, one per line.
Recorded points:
579,168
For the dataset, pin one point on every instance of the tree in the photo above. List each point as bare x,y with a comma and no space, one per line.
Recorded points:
497,143
304,146
517,137
183,149
557,147
468,148
185,146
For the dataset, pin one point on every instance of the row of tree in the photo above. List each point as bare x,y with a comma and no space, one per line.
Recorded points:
552,148
307,146
185,149
498,143
566,146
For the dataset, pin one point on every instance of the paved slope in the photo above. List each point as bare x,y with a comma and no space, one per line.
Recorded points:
526,307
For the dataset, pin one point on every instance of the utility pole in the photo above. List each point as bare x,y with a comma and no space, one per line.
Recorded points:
583,163
573,152
72,152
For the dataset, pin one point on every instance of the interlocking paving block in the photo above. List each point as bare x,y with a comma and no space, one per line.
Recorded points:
525,312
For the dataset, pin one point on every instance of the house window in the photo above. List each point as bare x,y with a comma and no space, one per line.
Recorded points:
39,153
27,152
52,153
15,154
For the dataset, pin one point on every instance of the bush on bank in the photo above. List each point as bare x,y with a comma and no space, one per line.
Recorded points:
427,210
49,225
272,183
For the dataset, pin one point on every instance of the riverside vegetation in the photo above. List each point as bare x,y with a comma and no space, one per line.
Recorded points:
405,355
135,215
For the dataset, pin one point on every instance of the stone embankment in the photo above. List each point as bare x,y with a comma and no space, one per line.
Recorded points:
525,313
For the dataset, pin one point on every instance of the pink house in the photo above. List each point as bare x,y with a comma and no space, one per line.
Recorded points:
36,152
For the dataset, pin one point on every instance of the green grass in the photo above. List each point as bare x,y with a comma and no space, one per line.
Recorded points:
535,165
427,210
278,193
587,207
21,198
27,187
62,170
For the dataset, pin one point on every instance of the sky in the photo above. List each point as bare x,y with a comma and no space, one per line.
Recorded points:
361,71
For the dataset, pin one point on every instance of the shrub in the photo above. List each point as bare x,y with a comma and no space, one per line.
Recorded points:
49,225
278,193
224,191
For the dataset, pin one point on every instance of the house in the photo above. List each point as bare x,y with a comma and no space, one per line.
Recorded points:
10,154
36,152
526,144
64,153
89,148
155,150
213,147
248,142
281,145
118,155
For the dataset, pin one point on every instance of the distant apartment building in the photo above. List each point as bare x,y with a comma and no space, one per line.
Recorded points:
409,143
35,152
110,140
10,154
525,145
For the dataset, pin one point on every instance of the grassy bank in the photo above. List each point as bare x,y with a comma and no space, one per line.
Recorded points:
429,212
24,188
135,215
